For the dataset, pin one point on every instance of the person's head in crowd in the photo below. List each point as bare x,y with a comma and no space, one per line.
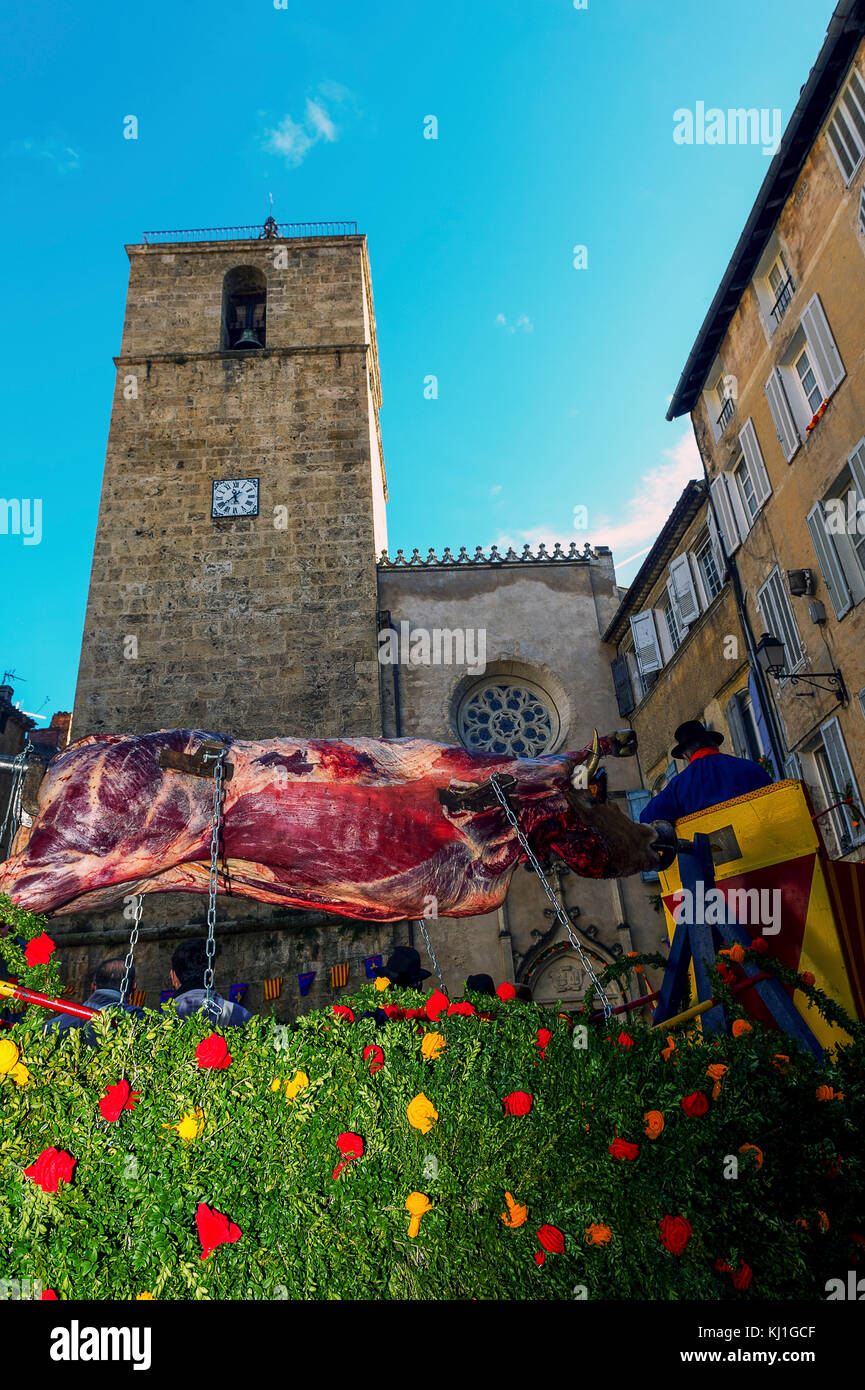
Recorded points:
403,969
188,965
109,975
481,984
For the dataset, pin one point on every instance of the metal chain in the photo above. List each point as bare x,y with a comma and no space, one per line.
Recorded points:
560,913
209,1002
430,952
13,807
133,938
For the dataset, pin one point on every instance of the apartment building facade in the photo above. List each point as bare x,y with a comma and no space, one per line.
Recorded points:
775,388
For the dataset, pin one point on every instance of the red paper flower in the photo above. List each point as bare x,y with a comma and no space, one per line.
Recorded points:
212,1053
343,1011
377,1058
623,1148
742,1279
413,1013
539,1257
436,1004
52,1167
506,991
350,1146
625,1040
117,1099
727,975
695,1104
463,1008
544,1039
759,944
38,951
214,1229
722,1267
391,1010
676,1231
551,1238
48,1295
517,1103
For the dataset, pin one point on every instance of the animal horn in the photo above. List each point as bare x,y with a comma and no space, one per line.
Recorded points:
594,756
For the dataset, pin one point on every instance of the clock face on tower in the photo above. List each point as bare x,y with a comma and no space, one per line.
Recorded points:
235,497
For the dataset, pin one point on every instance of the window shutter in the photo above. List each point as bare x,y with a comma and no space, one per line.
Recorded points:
754,460
792,768
638,800
684,593
743,521
842,772
779,619
830,565
723,506
715,541
622,683
782,415
646,647
822,345
857,469
736,726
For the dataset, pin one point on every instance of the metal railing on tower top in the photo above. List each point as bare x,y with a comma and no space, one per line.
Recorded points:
269,231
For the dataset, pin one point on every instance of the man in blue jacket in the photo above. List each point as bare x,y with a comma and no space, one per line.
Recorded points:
709,777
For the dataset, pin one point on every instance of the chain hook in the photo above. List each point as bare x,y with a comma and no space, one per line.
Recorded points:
216,821
561,915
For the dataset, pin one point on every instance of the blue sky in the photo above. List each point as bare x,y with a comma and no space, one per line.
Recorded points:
555,129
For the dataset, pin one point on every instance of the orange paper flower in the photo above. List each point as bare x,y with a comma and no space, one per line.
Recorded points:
758,1153
422,1114
597,1234
654,1123
667,1052
515,1215
416,1204
432,1046
740,1027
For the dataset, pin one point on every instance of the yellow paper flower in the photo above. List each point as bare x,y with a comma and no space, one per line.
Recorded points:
140,1297
298,1084
422,1114
191,1126
9,1055
515,1215
382,983
20,1075
276,1084
416,1204
432,1046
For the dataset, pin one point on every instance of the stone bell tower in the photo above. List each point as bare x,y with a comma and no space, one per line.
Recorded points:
243,503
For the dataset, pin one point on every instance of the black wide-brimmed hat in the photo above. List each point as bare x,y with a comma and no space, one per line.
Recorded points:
692,731
481,984
402,967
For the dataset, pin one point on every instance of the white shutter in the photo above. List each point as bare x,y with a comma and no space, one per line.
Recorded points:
743,520
729,529
754,460
792,768
779,619
782,415
842,772
715,541
684,593
822,345
646,646
830,565
735,724
857,469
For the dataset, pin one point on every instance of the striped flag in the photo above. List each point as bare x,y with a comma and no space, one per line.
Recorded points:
136,998
305,981
339,975
273,988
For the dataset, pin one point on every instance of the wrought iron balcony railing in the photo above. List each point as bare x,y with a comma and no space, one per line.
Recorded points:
269,231
726,415
782,303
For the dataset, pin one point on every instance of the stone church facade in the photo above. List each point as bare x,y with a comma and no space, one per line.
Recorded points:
241,585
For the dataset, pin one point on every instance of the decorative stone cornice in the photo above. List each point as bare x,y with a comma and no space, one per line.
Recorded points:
494,557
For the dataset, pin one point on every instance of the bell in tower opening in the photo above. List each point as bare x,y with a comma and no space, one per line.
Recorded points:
244,309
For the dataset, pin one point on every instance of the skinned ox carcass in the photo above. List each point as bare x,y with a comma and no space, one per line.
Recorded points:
368,828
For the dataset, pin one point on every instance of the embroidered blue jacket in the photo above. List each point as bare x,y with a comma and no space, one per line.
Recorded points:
705,782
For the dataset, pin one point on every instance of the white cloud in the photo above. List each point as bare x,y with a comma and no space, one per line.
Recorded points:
64,159
631,532
523,324
293,140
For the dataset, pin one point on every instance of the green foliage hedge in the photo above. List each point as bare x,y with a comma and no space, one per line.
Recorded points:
125,1224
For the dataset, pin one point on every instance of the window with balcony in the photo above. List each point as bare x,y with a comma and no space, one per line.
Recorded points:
810,385
781,288
807,375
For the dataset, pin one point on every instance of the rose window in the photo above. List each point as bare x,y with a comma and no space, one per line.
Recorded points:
508,718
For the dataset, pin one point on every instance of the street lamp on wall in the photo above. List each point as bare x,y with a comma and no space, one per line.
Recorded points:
772,660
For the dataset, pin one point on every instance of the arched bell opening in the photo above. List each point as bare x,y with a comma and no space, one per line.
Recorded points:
244,309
